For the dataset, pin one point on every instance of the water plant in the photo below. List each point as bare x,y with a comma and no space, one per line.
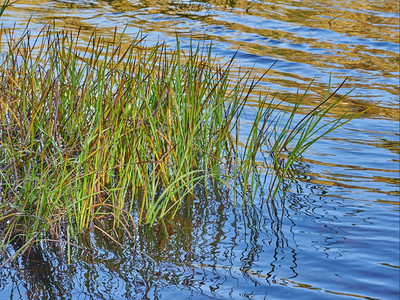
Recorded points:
106,131
4,6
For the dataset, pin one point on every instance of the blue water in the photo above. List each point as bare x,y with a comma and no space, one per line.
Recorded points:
335,235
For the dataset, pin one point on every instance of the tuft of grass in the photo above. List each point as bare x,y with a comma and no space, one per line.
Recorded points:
106,131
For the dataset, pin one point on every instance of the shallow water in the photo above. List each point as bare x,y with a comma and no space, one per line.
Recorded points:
337,233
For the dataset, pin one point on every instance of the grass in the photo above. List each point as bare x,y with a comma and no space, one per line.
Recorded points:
115,131
4,6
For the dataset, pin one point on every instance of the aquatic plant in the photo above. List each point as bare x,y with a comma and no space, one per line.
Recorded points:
105,131
4,6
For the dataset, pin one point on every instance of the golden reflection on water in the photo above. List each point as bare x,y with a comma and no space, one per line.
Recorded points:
310,34
293,283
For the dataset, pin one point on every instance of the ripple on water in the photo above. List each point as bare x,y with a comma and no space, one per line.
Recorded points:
336,236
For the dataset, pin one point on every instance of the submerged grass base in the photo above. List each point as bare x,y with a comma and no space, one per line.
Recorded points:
110,132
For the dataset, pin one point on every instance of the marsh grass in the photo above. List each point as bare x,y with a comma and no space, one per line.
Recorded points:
115,133
4,6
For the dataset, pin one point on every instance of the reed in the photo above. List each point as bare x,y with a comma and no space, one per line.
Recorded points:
4,6
105,130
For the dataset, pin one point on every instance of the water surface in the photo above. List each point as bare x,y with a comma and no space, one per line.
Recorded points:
336,235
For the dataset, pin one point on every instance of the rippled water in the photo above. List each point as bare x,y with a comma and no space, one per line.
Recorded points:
337,233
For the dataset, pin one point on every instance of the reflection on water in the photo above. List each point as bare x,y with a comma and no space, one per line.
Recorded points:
308,38
336,232
215,250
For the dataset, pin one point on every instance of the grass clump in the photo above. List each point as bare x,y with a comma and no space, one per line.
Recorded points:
110,131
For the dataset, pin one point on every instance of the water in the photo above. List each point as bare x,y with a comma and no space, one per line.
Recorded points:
336,236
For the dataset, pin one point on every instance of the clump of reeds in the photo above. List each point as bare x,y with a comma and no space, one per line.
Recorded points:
107,130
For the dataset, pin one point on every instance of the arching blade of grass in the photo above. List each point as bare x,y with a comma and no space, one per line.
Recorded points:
294,139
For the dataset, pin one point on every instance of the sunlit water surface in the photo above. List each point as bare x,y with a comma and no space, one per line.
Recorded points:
336,235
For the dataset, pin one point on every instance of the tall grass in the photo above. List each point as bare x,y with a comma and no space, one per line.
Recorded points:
4,6
122,132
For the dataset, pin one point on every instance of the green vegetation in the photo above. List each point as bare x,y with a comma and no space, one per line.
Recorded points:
3,7
121,132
